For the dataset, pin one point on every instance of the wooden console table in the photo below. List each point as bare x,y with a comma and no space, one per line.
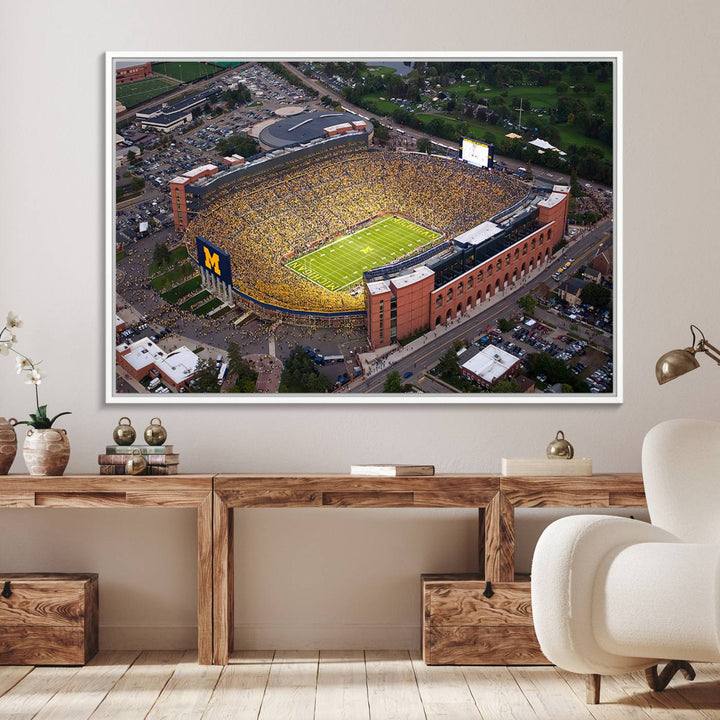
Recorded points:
127,491
495,497
215,497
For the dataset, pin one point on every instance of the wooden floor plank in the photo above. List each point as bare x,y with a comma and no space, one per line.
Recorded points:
139,688
88,687
666,705
290,692
34,691
188,692
703,693
392,688
444,692
240,691
615,703
11,675
548,694
497,694
342,686
348,685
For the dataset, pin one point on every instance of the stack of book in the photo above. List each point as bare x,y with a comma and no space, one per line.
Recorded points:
160,459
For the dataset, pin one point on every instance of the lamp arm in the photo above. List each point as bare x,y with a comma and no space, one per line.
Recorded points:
710,350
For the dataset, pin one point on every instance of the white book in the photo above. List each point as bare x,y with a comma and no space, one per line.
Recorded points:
392,470
547,467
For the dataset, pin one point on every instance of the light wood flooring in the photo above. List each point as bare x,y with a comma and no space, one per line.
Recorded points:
370,685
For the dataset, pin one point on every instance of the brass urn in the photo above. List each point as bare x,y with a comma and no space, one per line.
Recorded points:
155,433
560,448
124,433
136,463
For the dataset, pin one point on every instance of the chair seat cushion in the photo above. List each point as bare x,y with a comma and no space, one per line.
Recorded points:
659,600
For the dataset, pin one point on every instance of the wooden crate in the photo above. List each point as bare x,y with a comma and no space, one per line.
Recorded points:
461,626
48,618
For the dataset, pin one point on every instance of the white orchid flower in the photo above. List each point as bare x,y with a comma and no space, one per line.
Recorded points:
13,320
5,346
23,364
35,377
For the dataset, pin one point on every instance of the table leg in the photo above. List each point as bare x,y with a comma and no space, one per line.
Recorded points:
223,581
499,546
205,580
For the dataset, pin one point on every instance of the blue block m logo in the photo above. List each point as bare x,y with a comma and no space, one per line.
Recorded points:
212,261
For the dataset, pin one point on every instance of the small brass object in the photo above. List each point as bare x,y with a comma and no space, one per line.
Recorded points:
124,433
560,448
155,434
136,463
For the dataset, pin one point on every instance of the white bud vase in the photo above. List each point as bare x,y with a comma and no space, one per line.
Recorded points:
8,444
46,451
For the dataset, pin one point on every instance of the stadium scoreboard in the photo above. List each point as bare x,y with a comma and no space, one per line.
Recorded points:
214,259
476,153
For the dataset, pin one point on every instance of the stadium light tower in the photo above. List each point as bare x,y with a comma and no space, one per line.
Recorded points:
520,116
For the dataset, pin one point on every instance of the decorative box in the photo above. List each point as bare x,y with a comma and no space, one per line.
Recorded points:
48,618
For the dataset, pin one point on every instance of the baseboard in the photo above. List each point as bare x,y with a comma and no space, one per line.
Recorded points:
264,637
327,637
150,637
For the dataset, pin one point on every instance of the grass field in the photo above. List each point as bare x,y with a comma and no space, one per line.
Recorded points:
186,71
340,264
134,93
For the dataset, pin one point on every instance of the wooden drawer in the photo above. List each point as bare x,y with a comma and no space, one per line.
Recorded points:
48,619
462,626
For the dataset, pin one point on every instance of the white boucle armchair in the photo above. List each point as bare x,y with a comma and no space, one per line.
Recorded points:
613,595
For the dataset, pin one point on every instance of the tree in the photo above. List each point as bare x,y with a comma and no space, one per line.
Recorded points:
382,133
131,157
528,304
239,96
205,380
301,376
236,144
506,386
448,366
244,373
136,184
393,383
504,325
597,296
161,254
424,145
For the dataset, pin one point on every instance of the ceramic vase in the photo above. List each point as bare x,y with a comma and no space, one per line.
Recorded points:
46,451
8,445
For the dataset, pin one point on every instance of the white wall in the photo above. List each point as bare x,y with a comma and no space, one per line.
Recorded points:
331,578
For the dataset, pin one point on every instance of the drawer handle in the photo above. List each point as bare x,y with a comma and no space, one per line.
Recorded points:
488,592
6,592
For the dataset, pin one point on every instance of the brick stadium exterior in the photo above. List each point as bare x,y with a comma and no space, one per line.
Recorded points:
419,300
409,300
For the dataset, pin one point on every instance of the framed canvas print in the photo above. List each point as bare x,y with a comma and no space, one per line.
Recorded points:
416,228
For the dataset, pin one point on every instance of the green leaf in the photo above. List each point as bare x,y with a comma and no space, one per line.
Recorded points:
67,412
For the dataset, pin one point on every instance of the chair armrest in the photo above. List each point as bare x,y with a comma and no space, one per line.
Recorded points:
565,563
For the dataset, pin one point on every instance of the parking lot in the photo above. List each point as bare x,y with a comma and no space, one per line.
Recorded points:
589,364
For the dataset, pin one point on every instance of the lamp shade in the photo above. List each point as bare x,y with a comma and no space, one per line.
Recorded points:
675,363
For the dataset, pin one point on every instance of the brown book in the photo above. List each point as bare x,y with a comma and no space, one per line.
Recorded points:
167,459
162,470
112,469
149,470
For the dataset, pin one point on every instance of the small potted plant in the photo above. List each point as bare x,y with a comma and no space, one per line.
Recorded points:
46,449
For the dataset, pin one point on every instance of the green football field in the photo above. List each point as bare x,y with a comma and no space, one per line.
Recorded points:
341,263
133,93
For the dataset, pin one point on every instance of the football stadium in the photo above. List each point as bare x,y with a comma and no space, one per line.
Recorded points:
306,229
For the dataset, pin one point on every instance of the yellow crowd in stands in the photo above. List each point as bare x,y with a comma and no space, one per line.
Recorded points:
314,198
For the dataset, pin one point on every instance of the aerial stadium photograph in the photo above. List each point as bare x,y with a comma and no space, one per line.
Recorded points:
355,229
